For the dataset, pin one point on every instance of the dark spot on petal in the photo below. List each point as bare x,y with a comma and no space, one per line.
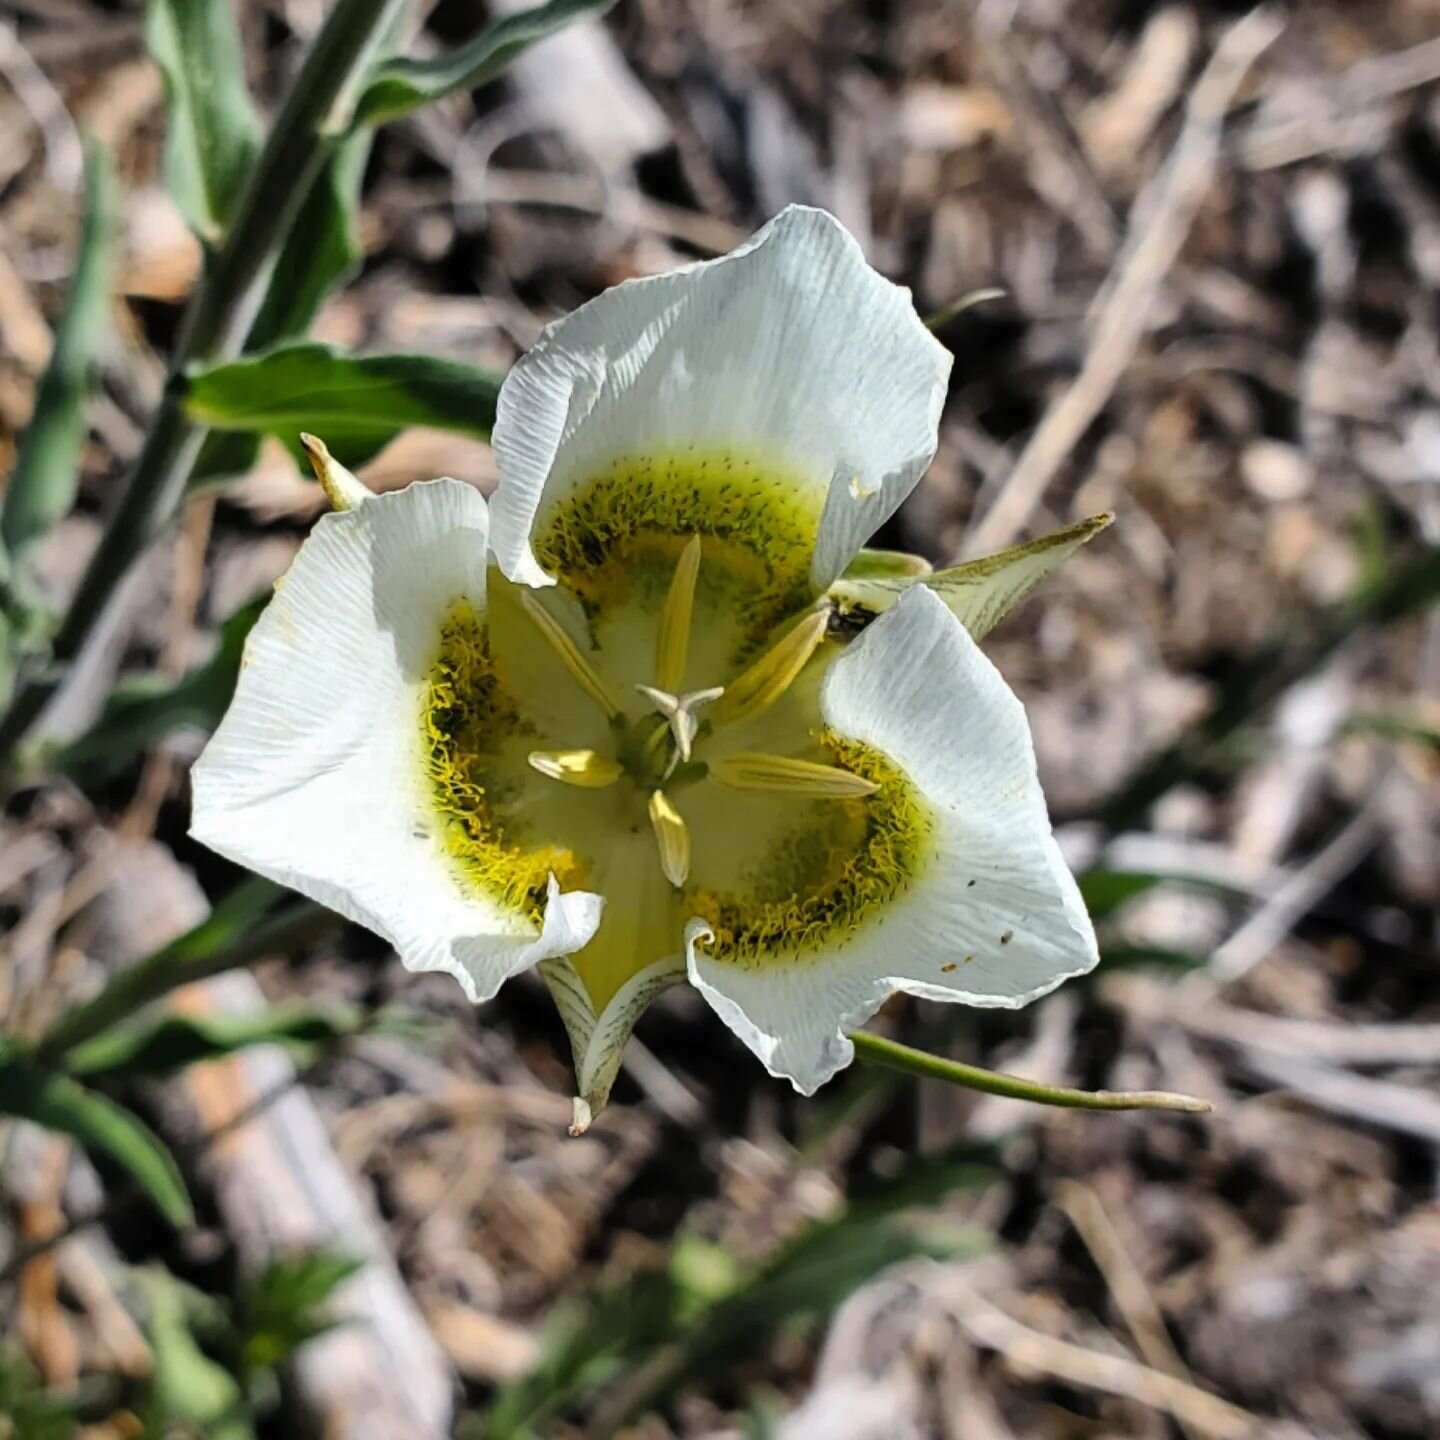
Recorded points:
1007,937
950,968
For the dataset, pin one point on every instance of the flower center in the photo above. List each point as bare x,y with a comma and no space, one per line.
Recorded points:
650,729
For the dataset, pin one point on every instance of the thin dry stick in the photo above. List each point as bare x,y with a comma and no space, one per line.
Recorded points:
1160,221
1137,1307
1270,143
989,1326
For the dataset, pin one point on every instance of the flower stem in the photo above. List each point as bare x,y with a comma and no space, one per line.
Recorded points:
214,327
876,1050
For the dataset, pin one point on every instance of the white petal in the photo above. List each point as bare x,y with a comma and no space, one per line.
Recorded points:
790,348
995,917
314,779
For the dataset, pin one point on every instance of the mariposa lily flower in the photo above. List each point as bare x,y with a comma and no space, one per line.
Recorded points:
654,716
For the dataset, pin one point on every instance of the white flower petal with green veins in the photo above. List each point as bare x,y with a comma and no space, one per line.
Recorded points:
316,777
990,916
789,361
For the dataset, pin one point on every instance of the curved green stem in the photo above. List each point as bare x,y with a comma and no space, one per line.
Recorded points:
215,324
876,1050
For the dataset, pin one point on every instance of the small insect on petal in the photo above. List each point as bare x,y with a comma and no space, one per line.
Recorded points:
569,652
586,768
672,644
780,774
772,674
672,835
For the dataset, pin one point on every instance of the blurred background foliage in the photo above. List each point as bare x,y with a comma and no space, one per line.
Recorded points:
255,1179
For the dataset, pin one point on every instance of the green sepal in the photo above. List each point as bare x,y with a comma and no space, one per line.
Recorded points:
979,593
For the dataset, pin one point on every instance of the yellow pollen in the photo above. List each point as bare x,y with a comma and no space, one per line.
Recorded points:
772,674
587,769
782,775
878,845
672,642
569,652
672,836
466,712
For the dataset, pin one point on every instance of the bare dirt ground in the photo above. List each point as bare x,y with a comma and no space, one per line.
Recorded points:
1217,240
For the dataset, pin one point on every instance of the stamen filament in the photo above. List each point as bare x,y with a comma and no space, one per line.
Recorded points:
780,774
772,674
576,663
586,769
672,643
672,835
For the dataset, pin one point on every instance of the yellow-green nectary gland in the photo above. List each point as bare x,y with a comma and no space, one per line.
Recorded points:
614,540
856,857
466,712
777,878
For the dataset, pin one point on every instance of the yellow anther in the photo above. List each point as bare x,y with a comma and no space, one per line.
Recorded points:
672,835
780,774
672,643
342,489
585,768
569,653
771,675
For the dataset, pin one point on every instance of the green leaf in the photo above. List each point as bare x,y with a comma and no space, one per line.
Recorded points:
284,1305
699,1314
33,1412
1144,957
402,84
46,475
153,1046
321,251
144,709
190,1393
1106,891
212,132
1403,728
57,1102
979,593
355,403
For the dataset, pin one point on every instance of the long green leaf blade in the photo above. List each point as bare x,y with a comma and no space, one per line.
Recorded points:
355,403
144,709
153,1046
43,485
403,84
212,131
57,1102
